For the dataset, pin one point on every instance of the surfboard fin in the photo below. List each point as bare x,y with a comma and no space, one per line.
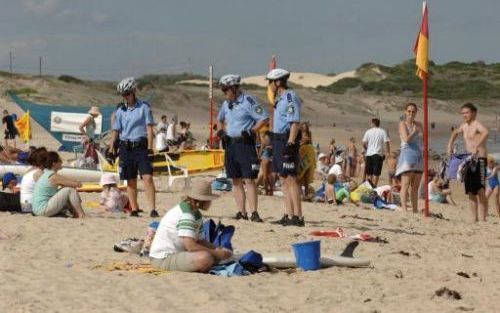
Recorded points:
349,249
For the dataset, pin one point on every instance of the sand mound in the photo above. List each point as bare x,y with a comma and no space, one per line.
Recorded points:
309,80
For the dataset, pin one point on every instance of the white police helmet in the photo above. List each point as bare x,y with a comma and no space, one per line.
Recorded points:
230,80
126,85
277,74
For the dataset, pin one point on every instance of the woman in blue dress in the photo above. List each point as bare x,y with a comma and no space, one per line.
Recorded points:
411,161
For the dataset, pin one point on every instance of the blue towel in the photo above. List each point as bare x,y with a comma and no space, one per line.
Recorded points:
219,235
228,270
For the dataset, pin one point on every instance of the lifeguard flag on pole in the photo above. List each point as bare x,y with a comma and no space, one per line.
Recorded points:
421,48
23,126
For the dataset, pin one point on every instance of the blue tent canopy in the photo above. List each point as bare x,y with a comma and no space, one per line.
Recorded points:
41,113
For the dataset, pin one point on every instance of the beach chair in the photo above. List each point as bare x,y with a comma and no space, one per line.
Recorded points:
174,171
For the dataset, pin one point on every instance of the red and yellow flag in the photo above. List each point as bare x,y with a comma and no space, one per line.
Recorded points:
421,48
23,126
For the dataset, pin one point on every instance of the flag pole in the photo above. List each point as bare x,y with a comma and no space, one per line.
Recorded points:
426,146
211,99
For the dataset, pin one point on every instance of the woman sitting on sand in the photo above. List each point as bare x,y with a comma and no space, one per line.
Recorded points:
410,162
29,180
48,200
178,243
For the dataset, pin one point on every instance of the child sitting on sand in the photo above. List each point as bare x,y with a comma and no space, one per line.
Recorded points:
178,244
437,192
112,199
9,182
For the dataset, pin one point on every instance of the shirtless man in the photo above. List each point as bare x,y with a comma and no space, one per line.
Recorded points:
475,136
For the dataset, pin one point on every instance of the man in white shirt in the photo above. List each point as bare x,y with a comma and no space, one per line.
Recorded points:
162,124
374,141
161,140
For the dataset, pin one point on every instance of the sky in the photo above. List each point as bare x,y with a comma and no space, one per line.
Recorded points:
111,39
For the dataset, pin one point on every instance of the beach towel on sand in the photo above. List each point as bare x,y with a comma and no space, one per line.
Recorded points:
143,268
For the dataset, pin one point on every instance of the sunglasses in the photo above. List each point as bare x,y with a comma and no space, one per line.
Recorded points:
224,89
126,94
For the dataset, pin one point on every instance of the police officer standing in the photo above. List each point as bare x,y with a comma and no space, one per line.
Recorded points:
286,139
243,116
134,125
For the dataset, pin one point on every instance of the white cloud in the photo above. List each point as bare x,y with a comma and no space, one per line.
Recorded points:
42,7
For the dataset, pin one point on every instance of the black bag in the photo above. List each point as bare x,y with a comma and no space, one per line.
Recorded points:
10,202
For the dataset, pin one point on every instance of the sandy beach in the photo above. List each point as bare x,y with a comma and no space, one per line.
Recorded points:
49,264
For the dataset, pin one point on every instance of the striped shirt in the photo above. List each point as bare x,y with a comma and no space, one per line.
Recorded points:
180,221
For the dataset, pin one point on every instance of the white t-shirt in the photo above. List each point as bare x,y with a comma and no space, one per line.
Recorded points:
177,223
161,141
375,137
171,132
27,187
161,125
336,169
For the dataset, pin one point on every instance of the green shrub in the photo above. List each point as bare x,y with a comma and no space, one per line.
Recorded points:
342,85
70,79
24,91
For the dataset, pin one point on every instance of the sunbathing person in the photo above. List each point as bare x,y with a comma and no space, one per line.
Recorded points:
48,200
178,243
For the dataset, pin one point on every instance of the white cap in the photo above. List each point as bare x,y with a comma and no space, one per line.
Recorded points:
321,155
277,73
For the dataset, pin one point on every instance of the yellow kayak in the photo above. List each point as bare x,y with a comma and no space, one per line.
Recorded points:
193,160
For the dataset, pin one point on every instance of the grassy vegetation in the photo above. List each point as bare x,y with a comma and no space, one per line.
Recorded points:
70,79
24,91
155,80
450,81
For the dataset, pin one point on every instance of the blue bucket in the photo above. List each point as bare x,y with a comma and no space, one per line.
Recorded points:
307,255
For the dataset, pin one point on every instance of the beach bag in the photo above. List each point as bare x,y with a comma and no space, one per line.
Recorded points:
10,202
219,235
252,262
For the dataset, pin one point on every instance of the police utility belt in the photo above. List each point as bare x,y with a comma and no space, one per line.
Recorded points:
285,136
134,144
233,140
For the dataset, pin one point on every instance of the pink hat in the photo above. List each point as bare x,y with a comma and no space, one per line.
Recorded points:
109,179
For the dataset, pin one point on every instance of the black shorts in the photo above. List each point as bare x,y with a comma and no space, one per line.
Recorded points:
134,161
241,161
280,165
475,176
9,135
374,164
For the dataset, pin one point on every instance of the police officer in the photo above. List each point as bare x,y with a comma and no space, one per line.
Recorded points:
243,116
286,139
134,125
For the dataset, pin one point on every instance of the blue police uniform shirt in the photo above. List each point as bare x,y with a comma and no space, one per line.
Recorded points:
245,113
286,111
132,122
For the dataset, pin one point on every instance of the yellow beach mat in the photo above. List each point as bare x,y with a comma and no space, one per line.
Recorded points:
143,268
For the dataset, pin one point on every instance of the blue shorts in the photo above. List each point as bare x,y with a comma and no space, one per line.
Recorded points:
278,160
241,161
134,161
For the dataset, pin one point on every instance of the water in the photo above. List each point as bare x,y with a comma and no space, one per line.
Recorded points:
440,143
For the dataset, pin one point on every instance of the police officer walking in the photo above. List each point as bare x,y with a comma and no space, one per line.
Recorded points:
243,116
286,139
134,125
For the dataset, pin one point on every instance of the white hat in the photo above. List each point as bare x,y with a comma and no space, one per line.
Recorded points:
321,155
201,190
109,179
277,73
94,111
